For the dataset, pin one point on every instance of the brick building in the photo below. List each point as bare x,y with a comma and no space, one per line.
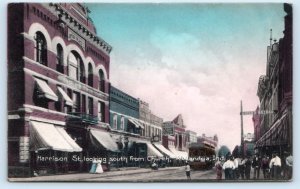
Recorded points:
58,89
275,92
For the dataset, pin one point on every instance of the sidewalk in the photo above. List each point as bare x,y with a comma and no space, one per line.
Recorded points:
79,177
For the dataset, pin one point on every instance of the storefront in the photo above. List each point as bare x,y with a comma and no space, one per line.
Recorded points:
278,138
51,148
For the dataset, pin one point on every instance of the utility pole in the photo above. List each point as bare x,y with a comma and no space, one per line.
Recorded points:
242,130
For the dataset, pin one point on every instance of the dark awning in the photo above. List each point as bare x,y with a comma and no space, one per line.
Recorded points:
278,134
102,139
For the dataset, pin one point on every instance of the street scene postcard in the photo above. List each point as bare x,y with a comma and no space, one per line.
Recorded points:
150,92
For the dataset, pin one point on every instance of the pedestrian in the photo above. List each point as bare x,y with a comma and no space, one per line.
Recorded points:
242,168
228,167
247,167
99,167
188,170
218,166
275,165
265,166
256,166
236,168
94,166
289,166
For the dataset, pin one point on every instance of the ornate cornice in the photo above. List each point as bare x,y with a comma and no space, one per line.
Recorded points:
79,27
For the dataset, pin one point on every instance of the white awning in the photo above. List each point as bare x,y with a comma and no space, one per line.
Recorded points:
164,150
47,136
67,137
67,99
179,154
105,140
45,90
136,123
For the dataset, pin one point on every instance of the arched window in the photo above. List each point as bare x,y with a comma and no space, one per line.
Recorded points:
81,73
41,48
60,59
101,81
74,66
90,76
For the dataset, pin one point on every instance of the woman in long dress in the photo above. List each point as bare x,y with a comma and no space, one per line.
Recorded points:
99,167
94,166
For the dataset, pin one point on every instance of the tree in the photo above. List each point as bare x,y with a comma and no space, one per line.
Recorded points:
236,151
223,151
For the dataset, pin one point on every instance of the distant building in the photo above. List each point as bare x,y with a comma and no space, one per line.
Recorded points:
256,123
191,137
174,137
124,112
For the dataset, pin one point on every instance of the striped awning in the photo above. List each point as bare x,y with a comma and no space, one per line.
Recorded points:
278,134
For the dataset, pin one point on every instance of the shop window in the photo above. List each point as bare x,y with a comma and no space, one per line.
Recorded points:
41,48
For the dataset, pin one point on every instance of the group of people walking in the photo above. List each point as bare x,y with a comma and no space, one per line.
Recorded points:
240,168
96,167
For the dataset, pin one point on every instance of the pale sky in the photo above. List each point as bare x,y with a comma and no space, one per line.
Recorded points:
199,60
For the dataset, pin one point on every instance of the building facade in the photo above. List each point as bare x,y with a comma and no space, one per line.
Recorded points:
191,137
134,136
275,92
256,124
58,88
174,137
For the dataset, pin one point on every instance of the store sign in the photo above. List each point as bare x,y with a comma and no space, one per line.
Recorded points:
168,130
24,149
260,112
72,36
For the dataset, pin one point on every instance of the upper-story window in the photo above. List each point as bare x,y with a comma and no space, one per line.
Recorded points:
90,76
76,102
101,81
81,72
115,121
90,108
60,59
101,111
122,123
75,64
41,48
